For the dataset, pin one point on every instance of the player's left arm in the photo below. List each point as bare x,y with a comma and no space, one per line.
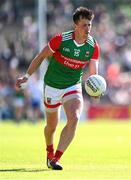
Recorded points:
93,67
94,62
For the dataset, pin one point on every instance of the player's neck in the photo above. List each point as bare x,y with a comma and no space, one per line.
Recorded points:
80,39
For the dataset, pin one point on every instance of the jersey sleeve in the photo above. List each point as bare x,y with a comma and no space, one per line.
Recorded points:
96,53
55,42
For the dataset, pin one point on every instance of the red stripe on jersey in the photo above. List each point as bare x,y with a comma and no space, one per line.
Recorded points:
71,92
52,105
96,53
55,42
69,62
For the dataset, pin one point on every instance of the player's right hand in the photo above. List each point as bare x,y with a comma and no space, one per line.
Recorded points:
19,81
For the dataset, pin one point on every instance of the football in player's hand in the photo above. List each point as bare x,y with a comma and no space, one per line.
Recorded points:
95,85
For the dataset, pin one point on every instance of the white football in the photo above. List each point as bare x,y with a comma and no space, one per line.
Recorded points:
95,85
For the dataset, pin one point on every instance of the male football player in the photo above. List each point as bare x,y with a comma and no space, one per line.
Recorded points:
69,52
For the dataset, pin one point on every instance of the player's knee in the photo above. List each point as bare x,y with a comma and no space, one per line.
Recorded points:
50,129
73,119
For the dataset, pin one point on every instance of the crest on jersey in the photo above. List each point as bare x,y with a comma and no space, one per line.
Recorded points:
87,53
48,100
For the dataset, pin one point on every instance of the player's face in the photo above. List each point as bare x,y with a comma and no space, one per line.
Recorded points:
83,26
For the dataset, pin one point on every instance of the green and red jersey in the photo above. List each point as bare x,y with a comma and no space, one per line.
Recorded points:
69,58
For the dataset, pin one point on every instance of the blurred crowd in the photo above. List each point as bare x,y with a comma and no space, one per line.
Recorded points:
19,44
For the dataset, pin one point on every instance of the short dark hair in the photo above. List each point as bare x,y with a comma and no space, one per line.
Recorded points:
82,12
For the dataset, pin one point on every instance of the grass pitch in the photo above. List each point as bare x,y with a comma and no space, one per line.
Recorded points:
100,151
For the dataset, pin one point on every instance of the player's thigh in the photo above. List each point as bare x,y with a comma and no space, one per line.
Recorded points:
73,108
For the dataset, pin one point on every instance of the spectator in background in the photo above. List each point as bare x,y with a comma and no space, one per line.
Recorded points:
33,98
19,106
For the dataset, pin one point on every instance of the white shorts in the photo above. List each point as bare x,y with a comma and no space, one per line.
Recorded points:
54,98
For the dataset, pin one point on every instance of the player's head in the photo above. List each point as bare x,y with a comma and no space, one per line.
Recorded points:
82,13
82,18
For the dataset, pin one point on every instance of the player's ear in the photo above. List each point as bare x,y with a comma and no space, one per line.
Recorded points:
74,26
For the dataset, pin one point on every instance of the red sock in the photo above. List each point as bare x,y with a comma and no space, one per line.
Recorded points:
50,151
57,156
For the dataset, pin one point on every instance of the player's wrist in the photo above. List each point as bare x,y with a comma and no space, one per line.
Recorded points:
27,75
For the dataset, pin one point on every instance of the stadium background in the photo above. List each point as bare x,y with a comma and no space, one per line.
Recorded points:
19,44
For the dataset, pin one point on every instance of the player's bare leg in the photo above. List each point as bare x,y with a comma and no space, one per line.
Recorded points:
51,124
52,121
73,109
49,131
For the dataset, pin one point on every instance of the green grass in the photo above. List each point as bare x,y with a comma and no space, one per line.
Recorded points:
100,151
